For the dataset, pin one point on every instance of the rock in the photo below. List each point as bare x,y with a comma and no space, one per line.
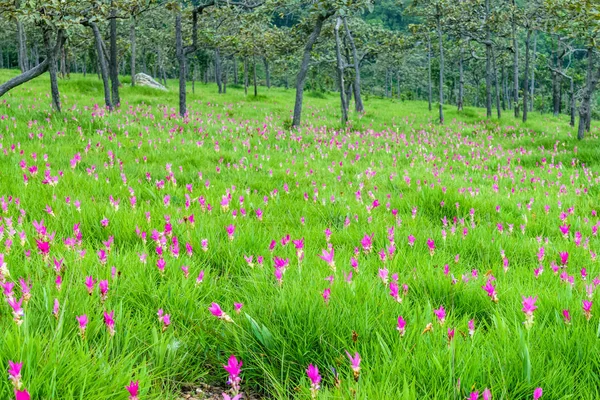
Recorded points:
142,79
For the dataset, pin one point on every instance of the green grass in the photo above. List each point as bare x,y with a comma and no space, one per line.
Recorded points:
282,329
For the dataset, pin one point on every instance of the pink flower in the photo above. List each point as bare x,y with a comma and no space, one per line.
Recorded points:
411,240
215,310
313,374
238,307
230,231
326,295
22,394
431,245
564,257
450,335
537,393
83,321
14,373
474,395
367,243
487,394
401,326
109,321
133,389
355,364
56,308
89,284
471,325
234,367
327,256
566,316
394,289
103,285
440,313
587,309
491,290
528,308
228,397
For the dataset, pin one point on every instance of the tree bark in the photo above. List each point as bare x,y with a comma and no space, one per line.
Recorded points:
440,37
218,72
22,41
304,66
254,72
267,73
429,84
101,64
461,80
51,56
585,109
532,92
133,49
497,84
181,57
235,71
515,62
246,76
358,103
113,62
340,72
526,82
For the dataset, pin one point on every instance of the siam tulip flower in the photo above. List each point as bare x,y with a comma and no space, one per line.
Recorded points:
431,245
505,264
587,309
394,289
109,321
411,240
56,308
474,395
491,290
230,231
234,368
104,222
367,243
89,284
228,397
103,286
450,335
133,389
215,310
564,230
566,317
471,325
14,373
354,264
22,394
44,248
326,295
102,256
487,394
163,318
355,364
25,289
200,278
83,321
204,245
401,326
186,271
58,282
18,312
327,256
528,308
564,257
537,393
315,379
440,313
160,264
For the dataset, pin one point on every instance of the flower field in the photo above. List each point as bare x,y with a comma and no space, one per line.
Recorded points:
142,253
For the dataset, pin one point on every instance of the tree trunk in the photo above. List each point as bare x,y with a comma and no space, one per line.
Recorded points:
556,82
102,64
515,62
22,50
254,72
194,79
246,76
181,57
132,41
461,80
358,103
218,72
224,68
532,92
301,78
113,62
429,85
340,72
267,73
235,71
440,37
504,88
572,97
585,109
526,82
497,84
51,57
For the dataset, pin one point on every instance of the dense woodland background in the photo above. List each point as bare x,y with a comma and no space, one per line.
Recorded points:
504,55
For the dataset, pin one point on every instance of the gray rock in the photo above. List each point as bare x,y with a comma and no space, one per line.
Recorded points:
142,79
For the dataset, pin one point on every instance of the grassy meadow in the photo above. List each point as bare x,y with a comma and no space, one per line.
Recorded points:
138,210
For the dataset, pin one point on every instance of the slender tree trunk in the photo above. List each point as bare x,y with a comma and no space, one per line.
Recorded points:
535,35
235,71
440,37
461,80
385,86
218,76
246,76
132,41
254,72
102,64
497,84
301,78
114,65
224,67
515,62
181,57
398,84
556,81
267,73
340,72
51,56
194,79
585,109
526,82
429,84
2,58
22,42
504,87
358,103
